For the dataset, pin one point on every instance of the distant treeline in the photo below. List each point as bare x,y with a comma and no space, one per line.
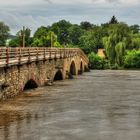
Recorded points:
120,41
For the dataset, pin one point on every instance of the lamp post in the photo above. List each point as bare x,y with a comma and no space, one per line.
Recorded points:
23,37
51,40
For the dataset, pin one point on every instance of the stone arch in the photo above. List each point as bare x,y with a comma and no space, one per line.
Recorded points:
58,75
72,68
30,84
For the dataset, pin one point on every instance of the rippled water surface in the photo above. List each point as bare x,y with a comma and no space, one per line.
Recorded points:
100,105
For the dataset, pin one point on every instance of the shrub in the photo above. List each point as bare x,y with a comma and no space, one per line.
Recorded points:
132,59
96,62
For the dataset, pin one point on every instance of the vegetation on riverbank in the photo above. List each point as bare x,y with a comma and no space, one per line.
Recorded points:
120,41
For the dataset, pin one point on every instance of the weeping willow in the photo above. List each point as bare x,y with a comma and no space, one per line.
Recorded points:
116,42
120,51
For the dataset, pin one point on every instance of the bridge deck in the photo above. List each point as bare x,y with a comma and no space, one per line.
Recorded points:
15,56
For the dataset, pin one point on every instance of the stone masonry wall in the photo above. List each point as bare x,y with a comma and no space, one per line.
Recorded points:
14,78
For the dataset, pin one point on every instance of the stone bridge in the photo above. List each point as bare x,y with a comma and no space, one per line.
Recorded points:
27,68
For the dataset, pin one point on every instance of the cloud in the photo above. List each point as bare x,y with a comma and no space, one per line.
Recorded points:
27,2
120,2
48,1
35,13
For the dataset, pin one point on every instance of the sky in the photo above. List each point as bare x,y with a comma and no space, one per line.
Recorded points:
36,13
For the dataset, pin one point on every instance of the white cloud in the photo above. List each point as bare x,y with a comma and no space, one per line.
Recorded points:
123,3
29,2
34,13
130,1
19,2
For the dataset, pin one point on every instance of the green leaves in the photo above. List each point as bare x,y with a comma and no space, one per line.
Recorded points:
120,52
4,33
18,41
41,31
13,43
132,59
116,43
61,30
75,32
47,39
113,20
96,62
91,40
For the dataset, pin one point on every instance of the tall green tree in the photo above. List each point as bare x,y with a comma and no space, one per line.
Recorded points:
75,32
4,33
47,39
13,43
132,59
41,31
86,25
27,37
120,52
91,40
118,39
61,29
135,29
135,41
113,20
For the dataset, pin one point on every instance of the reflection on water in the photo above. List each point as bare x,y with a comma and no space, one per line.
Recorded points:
100,105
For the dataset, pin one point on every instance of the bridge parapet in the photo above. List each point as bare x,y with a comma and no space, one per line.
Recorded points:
14,56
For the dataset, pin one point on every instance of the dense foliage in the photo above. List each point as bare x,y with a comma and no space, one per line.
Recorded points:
96,62
120,41
4,33
132,59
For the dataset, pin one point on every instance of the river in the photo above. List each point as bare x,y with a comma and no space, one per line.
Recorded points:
99,105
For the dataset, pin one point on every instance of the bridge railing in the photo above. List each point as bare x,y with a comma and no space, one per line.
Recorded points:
12,56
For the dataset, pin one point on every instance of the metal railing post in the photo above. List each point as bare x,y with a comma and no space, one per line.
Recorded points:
37,54
7,56
18,54
44,53
50,50
55,53
29,59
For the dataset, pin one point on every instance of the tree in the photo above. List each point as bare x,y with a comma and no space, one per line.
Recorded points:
13,43
75,32
61,30
116,42
47,39
135,42
41,31
132,59
86,25
110,49
27,38
135,29
4,33
91,40
120,52
113,20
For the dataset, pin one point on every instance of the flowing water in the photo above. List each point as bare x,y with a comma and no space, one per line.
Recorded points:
100,105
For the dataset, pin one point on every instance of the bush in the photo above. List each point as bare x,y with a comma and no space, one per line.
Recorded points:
96,62
13,43
114,67
132,59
